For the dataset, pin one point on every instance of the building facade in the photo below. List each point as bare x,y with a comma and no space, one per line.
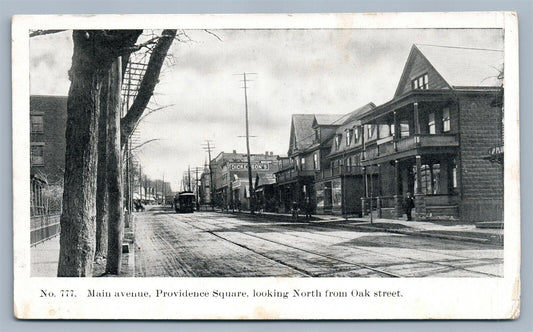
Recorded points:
309,143
438,139
48,118
230,177
342,177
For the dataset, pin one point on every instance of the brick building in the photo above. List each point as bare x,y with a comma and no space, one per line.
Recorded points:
230,176
432,138
48,118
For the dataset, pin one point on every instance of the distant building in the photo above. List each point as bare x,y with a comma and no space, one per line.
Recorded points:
230,177
48,118
205,186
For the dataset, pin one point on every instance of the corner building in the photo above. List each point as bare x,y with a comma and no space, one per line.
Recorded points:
432,138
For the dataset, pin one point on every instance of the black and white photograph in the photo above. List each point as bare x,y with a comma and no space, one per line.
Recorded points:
268,154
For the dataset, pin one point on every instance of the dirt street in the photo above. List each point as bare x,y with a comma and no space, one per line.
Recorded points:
213,244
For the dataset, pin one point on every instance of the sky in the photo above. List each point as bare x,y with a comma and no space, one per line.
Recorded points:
305,71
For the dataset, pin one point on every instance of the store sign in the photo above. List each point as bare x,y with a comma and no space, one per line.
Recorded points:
260,166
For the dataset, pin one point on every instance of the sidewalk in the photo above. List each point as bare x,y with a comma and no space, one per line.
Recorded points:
44,258
449,230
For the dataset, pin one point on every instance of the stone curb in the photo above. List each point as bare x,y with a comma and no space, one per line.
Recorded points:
431,235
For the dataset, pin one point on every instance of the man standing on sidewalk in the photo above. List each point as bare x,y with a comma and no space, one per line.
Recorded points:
409,205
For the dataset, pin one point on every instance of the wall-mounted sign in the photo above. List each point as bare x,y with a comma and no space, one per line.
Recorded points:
257,166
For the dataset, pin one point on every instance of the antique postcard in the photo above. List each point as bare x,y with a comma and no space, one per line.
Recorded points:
266,166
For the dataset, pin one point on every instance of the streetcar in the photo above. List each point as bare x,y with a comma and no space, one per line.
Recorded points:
184,202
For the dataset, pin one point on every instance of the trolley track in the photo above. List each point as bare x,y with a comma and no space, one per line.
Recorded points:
363,266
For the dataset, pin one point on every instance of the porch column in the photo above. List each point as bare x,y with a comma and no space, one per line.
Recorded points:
365,182
363,134
418,175
396,131
379,180
417,119
420,201
398,199
380,193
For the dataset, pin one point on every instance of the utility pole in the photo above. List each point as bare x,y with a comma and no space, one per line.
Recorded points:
189,176
251,191
208,147
196,169
164,191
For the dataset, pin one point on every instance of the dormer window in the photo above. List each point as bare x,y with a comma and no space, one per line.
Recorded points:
317,134
421,82
338,141
356,134
370,131
349,136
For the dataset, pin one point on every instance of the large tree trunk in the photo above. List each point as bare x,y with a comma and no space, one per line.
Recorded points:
114,173
78,216
94,51
101,180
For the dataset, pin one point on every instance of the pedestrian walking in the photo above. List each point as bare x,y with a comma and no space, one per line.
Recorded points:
308,209
409,205
294,210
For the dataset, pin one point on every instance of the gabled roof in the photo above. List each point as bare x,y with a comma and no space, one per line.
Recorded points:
462,67
351,120
301,131
458,66
328,119
358,112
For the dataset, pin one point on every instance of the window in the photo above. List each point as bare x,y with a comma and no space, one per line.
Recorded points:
37,124
315,161
431,123
356,134
446,120
302,163
420,83
384,130
404,128
317,134
370,131
337,141
349,136
37,155
454,175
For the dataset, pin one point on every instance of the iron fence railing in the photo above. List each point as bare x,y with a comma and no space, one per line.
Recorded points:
43,227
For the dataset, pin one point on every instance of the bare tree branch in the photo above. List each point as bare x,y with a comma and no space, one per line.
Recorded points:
150,111
35,33
148,83
144,143
214,34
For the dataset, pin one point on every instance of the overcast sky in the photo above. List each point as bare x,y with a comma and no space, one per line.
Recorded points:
298,71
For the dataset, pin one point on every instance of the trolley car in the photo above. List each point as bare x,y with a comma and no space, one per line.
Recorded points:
184,202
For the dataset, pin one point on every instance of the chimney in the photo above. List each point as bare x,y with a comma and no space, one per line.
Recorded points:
234,151
266,153
271,153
